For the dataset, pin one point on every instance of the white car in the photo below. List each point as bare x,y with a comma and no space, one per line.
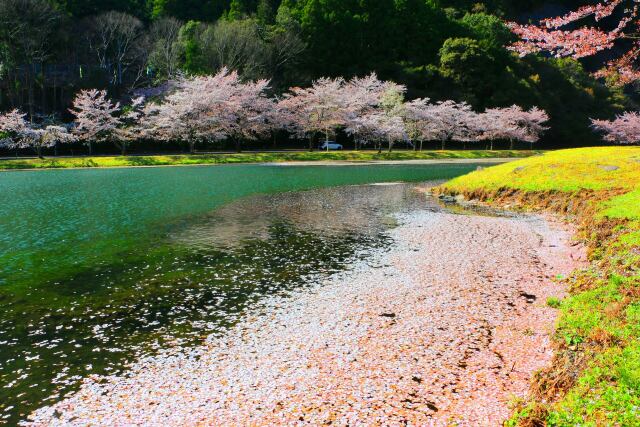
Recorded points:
331,145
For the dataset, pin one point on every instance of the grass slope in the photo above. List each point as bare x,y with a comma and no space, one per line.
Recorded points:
204,159
595,377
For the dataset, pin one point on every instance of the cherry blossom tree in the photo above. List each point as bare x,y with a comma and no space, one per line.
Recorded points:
624,129
365,128
130,128
392,128
361,97
417,120
317,109
211,108
46,137
190,112
372,110
248,113
363,94
443,121
512,124
20,134
96,117
378,127
532,125
584,40
392,106
12,125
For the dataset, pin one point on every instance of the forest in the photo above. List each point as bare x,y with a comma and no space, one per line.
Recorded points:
440,50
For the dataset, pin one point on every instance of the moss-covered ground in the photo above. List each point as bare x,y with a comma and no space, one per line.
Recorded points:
595,377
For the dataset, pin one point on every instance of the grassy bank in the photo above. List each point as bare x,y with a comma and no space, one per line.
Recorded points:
205,159
595,377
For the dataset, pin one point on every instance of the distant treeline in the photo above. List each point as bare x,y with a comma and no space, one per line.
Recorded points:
449,49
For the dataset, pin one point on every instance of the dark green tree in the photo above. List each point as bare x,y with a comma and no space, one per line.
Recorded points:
488,29
185,10
420,28
237,10
464,60
266,12
82,8
189,40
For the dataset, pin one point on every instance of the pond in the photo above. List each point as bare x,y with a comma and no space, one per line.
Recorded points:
100,267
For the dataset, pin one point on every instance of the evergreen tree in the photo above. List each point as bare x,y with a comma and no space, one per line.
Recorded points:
266,12
237,10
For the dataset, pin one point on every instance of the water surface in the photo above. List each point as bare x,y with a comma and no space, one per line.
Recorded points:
98,267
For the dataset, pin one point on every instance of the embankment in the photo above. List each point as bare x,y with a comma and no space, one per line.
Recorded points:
595,376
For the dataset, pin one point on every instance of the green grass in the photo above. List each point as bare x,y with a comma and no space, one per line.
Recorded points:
205,159
563,170
600,320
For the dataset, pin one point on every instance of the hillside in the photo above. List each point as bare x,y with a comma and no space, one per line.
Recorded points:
439,49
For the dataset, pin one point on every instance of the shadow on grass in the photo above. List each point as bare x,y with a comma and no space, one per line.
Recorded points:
143,161
253,157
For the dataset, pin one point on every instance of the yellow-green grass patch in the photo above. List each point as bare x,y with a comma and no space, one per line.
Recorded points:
205,159
599,325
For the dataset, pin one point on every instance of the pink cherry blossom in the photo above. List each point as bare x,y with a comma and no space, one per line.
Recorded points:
586,40
512,124
12,124
96,116
443,121
313,110
210,108
372,111
20,134
625,129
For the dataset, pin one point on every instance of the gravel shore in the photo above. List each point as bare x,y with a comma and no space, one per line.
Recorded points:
445,327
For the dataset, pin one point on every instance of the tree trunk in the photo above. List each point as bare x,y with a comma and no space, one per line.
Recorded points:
491,146
444,145
511,145
192,147
390,145
326,138
39,152
90,148
420,145
237,143
312,142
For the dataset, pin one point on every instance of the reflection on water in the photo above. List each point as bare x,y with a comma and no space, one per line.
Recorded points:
329,212
96,305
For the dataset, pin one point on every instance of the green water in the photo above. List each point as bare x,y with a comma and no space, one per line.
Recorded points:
98,267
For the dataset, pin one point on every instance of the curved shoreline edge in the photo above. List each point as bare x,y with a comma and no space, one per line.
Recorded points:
595,375
450,323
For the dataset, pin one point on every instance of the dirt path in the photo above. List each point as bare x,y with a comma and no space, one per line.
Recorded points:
446,327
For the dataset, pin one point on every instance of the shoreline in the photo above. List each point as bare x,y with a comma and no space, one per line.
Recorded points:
267,158
423,162
593,376
428,332
491,160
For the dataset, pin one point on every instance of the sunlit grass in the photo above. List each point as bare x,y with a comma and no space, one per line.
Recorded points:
600,321
204,159
565,170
